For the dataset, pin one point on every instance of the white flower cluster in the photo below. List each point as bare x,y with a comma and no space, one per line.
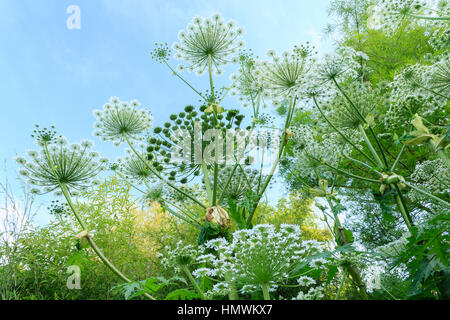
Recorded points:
364,98
75,166
432,176
121,120
427,14
439,75
372,277
182,255
249,89
421,88
284,76
394,248
343,64
315,293
210,42
310,154
393,12
306,281
134,167
262,255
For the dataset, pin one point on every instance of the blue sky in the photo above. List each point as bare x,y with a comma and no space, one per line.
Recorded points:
53,75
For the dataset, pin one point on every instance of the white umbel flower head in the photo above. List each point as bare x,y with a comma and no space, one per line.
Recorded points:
208,41
119,121
284,75
73,166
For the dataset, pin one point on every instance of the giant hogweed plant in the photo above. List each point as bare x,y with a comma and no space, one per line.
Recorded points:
417,107
205,46
234,188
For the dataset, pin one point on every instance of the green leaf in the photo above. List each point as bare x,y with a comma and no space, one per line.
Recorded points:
79,258
347,233
349,236
338,208
208,231
128,289
182,294
332,271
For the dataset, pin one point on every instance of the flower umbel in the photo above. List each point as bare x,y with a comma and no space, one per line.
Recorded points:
121,120
208,41
74,166
284,74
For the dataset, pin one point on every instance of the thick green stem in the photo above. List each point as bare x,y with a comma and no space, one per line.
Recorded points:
352,269
380,147
265,290
398,157
211,83
83,225
209,191
441,201
194,283
216,175
369,145
216,166
356,276
402,207
233,293
364,165
399,197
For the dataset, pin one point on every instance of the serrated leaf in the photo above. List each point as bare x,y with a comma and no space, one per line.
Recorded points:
182,294
332,271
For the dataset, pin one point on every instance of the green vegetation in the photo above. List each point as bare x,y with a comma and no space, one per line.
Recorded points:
362,145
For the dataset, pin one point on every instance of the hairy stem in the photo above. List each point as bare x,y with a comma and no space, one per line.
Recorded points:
441,201
352,269
194,283
265,290
369,145
233,294
398,157
96,249
402,207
